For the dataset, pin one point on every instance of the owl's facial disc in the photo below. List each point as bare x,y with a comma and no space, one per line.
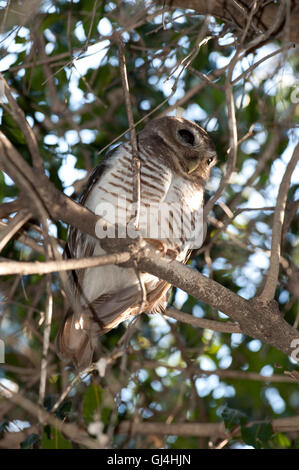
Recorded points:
185,145
196,148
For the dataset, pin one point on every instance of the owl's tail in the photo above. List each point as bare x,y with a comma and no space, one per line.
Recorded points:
76,339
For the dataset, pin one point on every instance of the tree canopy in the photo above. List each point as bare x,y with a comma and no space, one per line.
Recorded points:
220,368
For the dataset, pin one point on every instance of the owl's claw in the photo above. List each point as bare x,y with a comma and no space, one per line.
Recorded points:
172,253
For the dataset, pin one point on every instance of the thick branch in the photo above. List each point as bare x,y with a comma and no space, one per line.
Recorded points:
233,13
9,207
257,319
44,196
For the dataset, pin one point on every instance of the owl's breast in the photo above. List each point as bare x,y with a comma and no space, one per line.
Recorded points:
112,195
171,206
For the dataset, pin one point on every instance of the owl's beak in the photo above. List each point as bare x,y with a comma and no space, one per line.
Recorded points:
192,165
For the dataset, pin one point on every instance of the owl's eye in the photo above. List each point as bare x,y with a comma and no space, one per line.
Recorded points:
186,136
210,160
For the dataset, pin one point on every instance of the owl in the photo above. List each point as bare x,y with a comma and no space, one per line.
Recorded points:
176,157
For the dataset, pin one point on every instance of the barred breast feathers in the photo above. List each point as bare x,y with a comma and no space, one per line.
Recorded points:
114,186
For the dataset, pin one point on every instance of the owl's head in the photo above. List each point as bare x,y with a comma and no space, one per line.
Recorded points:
183,145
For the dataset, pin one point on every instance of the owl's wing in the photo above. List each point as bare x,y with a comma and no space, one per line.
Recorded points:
113,308
80,244
76,237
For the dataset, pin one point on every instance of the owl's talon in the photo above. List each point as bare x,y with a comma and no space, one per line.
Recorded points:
172,253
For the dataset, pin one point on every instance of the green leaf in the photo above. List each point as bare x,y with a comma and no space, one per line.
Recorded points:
53,439
281,440
257,435
232,417
92,401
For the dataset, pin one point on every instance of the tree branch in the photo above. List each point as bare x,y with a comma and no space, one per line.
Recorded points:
19,117
255,318
13,227
223,327
263,19
72,431
8,207
36,267
199,429
272,277
226,374
44,196
133,137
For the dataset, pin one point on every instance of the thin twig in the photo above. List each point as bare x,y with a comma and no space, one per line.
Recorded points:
223,327
6,9
93,14
46,342
133,137
272,276
37,267
226,374
116,139
285,47
19,116
72,431
249,21
13,227
233,142
9,207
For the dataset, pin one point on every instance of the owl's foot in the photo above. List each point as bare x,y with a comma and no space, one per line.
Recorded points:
162,247
172,253
158,245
